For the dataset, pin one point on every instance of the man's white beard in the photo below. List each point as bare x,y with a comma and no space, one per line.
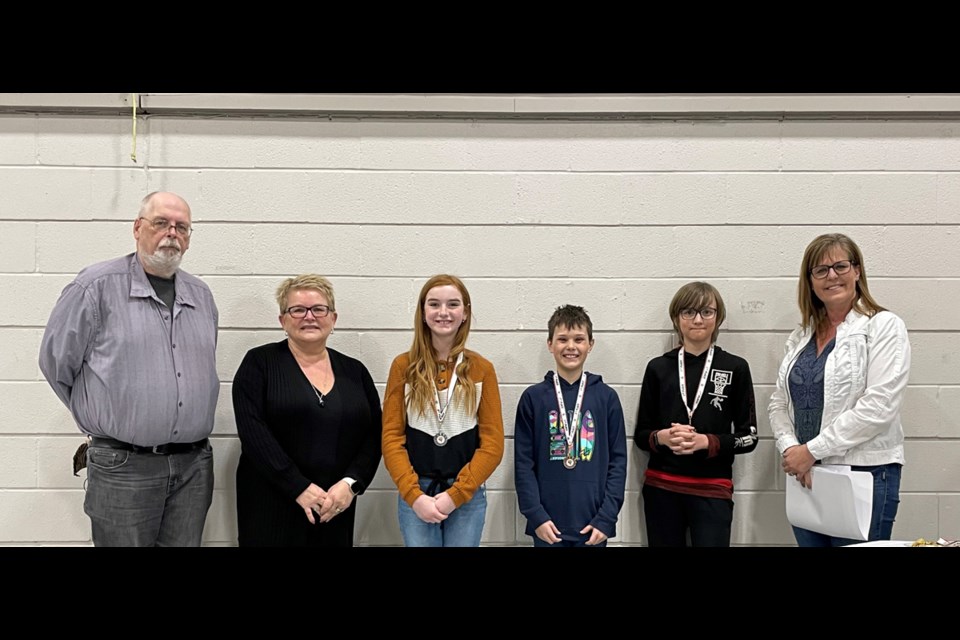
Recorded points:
164,263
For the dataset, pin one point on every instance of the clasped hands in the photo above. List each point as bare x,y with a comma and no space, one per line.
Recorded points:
322,505
434,509
682,439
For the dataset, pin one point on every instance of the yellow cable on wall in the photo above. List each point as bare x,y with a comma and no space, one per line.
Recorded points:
133,142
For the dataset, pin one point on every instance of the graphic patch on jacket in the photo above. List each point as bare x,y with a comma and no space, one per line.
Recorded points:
587,435
558,443
720,380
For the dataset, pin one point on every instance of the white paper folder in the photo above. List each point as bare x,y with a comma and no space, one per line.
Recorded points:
839,504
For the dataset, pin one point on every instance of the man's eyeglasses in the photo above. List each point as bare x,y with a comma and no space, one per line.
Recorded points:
162,224
706,313
318,311
840,268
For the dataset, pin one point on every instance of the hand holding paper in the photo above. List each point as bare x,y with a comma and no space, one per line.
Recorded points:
839,503
797,460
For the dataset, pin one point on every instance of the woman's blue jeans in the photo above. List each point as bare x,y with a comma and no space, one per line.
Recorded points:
886,501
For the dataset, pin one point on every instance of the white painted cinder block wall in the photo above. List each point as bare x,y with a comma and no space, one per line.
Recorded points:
610,215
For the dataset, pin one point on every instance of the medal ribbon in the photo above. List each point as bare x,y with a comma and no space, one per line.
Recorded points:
442,411
570,430
703,383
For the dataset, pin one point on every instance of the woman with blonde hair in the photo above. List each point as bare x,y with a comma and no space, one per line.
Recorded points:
442,423
841,383
309,422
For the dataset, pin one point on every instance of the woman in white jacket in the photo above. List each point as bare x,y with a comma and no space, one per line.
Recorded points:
841,382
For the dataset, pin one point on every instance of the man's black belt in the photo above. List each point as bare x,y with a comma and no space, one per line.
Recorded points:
160,449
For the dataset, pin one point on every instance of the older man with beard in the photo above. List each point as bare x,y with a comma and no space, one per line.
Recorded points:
130,350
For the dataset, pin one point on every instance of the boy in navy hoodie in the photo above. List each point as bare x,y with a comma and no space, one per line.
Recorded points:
570,444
